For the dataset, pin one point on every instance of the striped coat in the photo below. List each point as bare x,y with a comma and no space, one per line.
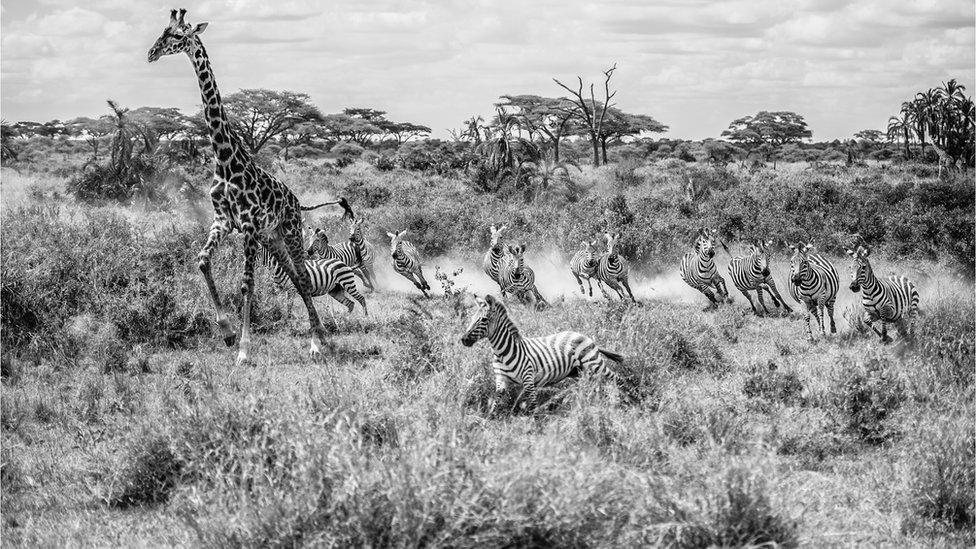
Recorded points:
347,252
698,269
495,256
406,261
584,265
613,269
533,362
517,278
813,282
890,301
328,276
752,273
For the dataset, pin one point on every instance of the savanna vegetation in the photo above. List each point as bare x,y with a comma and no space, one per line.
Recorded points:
125,422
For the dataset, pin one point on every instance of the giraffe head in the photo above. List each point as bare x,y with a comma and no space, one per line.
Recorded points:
395,240
760,250
496,236
860,267
484,320
179,36
800,260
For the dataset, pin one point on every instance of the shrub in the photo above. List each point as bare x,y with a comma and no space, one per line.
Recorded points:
940,463
864,396
149,474
769,384
693,423
944,341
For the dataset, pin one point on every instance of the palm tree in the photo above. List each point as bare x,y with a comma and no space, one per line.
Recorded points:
544,173
899,127
926,116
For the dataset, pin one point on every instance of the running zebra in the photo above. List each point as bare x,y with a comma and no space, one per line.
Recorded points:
328,276
613,269
495,255
347,252
533,362
751,273
406,261
698,269
891,301
365,252
814,283
518,279
584,265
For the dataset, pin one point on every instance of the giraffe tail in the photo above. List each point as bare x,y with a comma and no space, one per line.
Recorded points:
317,206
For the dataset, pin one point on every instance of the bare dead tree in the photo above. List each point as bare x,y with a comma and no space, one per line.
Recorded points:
590,112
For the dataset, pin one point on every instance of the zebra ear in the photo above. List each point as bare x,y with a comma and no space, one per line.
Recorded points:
489,300
850,252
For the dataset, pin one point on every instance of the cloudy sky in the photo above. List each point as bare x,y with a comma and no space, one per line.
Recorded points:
694,65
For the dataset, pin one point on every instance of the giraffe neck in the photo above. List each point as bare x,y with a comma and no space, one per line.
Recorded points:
225,145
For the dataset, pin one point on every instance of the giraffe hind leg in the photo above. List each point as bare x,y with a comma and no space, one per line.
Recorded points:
247,290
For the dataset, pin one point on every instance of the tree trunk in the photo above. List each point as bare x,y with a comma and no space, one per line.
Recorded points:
555,148
595,141
603,146
908,153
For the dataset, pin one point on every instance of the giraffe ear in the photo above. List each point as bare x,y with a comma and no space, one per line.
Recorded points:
199,28
391,235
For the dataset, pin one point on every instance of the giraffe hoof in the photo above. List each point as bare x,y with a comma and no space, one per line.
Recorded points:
242,360
230,339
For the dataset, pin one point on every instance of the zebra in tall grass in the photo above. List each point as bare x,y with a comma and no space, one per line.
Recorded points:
613,269
327,276
813,282
891,301
365,249
406,261
698,269
517,278
495,256
752,273
537,361
584,266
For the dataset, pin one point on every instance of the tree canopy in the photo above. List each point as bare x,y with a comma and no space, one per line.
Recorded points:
773,128
260,115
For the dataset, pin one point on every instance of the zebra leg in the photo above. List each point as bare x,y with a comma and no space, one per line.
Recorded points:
720,286
869,320
759,295
713,304
626,284
580,282
528,389
812,311
420,275
589,282
340,296
777,298
369,280
501,385
353,292
830,311
749,299
218,230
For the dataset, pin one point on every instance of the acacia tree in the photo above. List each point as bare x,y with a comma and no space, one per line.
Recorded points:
590,112
619,124
260,115
345,127
402,132
766,131
550,117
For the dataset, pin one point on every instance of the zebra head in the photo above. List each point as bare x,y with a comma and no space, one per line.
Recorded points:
320,241
705,244
518,257
861,273
484,320
356,229
612,240
760,255
800,261
395,240
496,237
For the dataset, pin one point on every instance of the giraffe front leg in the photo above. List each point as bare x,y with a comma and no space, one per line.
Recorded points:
247,291
218,230
292,242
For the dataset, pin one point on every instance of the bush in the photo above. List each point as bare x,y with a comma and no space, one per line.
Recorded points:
944,343
148,476
769,384
864,396
941,482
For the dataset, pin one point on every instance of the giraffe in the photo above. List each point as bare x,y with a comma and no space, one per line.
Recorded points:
245,198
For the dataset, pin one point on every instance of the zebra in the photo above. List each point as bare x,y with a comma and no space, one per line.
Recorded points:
537,361
495,256
406,261
613,269
327,276
347,252
698,269
752,273
813,282
365,252
518,279
584,265
892,301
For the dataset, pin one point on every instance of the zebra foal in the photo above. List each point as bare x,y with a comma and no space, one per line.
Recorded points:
752,273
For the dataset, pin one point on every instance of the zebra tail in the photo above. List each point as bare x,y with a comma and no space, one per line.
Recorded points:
616,357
